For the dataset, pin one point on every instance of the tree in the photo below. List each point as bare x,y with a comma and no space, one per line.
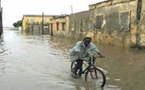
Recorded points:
18,23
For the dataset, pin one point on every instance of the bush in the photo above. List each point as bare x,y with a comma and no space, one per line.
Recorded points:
18,23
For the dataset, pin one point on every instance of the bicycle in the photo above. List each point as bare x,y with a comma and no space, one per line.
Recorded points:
91,72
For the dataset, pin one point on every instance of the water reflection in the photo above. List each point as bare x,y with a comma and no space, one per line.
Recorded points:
34,62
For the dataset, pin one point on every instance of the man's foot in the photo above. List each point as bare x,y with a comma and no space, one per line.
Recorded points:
75,75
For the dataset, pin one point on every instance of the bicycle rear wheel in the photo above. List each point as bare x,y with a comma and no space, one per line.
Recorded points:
73,66
96,75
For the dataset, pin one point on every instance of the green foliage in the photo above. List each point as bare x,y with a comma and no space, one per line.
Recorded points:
18,23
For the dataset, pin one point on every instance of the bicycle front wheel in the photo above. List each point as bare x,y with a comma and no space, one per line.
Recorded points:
96,75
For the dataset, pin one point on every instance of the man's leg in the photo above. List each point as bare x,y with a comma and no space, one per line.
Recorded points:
79,66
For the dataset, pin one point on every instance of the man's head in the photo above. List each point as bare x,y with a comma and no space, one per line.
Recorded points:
87,41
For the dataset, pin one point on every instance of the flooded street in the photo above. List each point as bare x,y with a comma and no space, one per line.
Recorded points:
40,62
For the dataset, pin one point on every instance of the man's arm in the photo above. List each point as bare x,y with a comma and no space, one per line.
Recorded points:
96,50
75,50
101,56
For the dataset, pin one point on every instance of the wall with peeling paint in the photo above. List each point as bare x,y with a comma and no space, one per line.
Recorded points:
113,21
79,23
142,24
109,22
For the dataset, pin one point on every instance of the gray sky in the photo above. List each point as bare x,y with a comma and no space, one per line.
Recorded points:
13,10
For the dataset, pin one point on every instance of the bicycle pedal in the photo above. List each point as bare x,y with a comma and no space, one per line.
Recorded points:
75,76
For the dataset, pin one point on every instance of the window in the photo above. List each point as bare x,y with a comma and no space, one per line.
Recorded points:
57,26
124,21
63,26
31,20
99,22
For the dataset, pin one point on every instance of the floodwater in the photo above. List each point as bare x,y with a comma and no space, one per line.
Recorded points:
40,62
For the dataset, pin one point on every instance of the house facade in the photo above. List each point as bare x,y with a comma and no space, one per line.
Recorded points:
29,20
119,22
47,24
115,22
59,25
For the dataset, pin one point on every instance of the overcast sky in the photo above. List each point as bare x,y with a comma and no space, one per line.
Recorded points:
13,10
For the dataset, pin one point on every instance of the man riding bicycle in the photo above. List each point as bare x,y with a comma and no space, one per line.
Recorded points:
83,50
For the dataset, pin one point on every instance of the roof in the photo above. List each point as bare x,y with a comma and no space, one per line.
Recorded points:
109,3
39,15
100,2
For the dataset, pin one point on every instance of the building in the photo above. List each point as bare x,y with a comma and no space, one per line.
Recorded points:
115,22
45,24
118,22
59,25
29,20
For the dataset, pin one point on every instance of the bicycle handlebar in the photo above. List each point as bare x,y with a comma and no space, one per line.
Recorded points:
95,57
98,57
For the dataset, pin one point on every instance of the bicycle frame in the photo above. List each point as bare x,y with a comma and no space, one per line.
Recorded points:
90,64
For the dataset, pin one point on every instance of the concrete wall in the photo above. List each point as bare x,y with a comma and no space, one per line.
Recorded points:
60,25
79,23
142,25
37,30
113,22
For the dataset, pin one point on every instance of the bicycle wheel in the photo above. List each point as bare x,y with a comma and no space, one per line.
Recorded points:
96,75
73,66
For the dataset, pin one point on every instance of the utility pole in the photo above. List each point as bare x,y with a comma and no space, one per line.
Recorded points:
73,21
42,22
71,9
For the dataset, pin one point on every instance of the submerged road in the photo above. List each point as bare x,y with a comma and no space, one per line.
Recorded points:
40,62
